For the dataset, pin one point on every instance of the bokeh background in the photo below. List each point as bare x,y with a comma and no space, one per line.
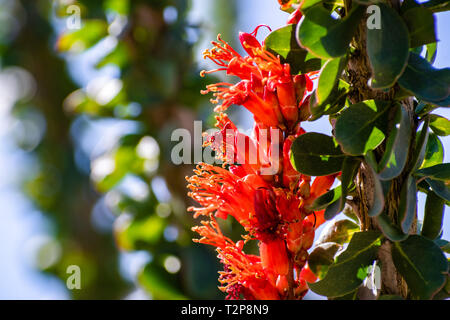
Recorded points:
85,122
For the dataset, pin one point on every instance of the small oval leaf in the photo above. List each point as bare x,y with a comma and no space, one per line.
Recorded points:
439,125
420,146
422,264
424,81
342,276
329,77
327,198
434,213
387,48
316,154
363,126
440,188
389,229
282,42
341,231
421,26
324,36
434,151
436,172
396,153
322,257
408,203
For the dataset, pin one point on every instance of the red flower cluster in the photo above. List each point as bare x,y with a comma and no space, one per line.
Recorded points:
270,207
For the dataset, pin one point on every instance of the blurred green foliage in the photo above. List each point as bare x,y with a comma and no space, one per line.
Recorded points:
154,90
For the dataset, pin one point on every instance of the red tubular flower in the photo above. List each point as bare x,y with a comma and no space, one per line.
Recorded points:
249,42
307,235
288,102
262,289
263,76
265,210
271,206
317,219
321,185
274,256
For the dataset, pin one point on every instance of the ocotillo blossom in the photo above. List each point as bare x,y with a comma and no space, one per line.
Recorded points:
271,206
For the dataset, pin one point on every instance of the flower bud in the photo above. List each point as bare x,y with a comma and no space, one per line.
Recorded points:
308,234
294,237
288,102
249,43
301,289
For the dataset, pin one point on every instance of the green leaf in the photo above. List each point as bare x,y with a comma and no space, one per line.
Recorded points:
422,264
342,276
421,26
316,154
329,77
437,5
424,81
444,294
332,210
408,4
440,188
439,125
349,213
341,231
378,194
349,169
333,104
387,48
434,213
349,296
436,172
442,103
389,229
434,152
327,198
431,52
370,159
322,257
308,4
423,109
397,146
155,280
282,42
408,203
324,36
91,32
362,127
443,244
